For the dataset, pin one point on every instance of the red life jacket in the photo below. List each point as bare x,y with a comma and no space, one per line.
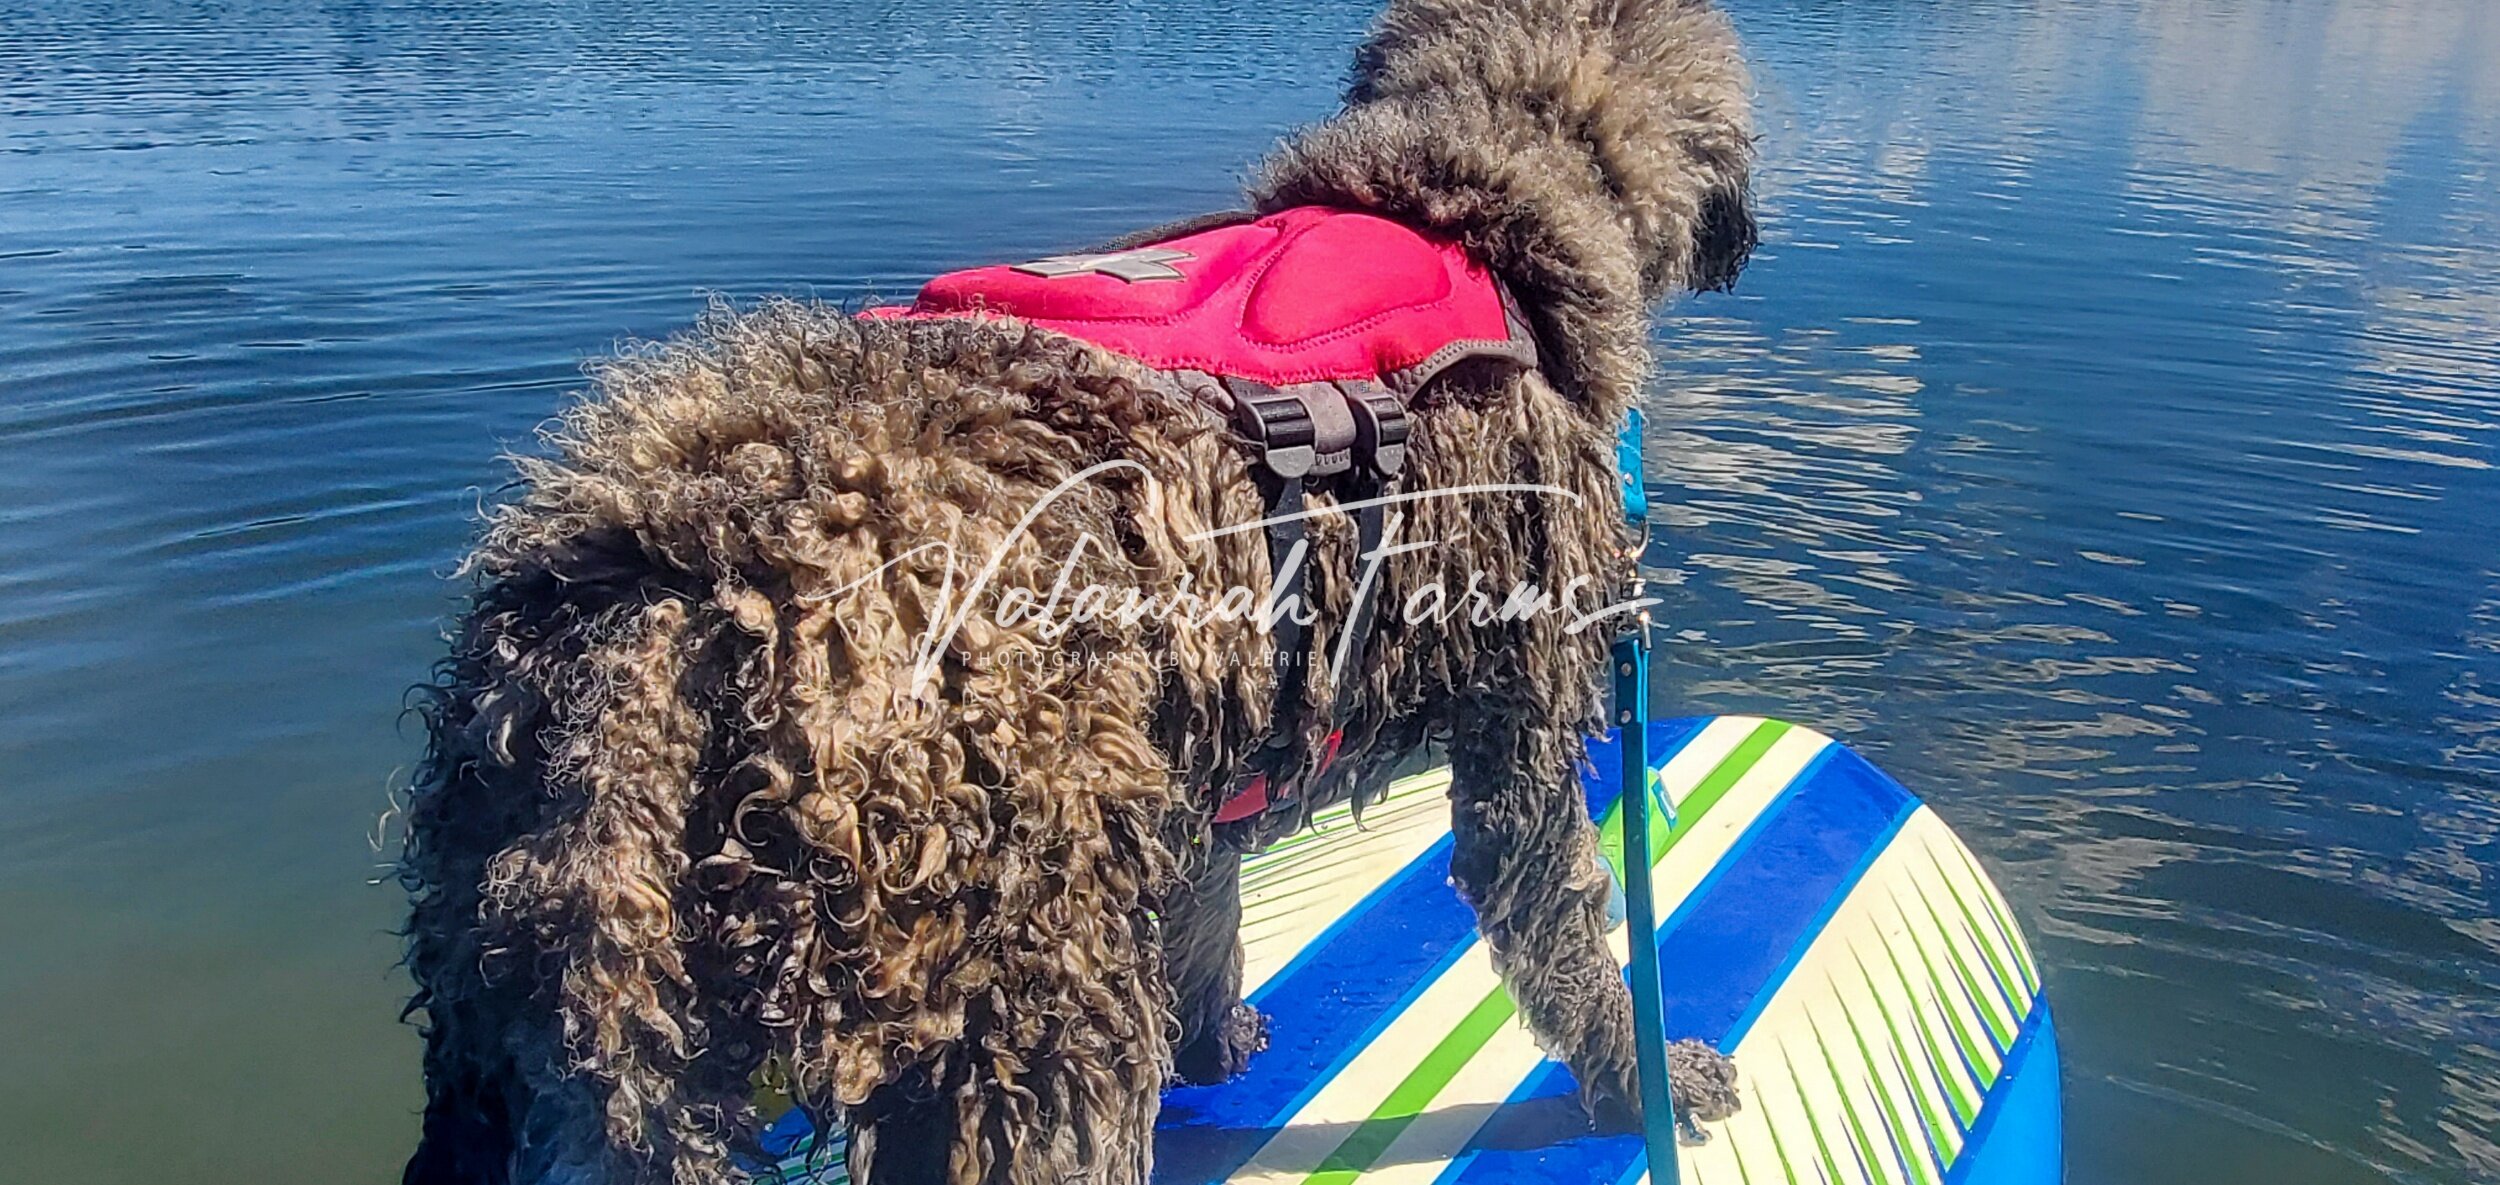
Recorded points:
1308,295
1306,329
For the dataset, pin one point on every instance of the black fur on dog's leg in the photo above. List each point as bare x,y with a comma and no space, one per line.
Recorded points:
467,1139
1526,860
901,1136
1225,1049
1202,960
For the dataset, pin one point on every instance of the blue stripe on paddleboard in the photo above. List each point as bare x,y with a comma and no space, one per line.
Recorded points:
1719,948
1325,1006
1845,765
2019,1138
786,1135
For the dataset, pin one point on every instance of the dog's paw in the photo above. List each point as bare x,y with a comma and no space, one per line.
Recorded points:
1612,1114
1702,1081
1223,1051
1611,1095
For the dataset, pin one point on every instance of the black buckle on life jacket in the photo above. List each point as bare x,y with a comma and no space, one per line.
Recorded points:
1379,427
1280,424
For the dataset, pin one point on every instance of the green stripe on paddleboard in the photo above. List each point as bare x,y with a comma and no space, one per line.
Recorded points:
1890,1114
2012,934
1940,1153
1965,1108
2009,984
1848,1107
1409,1098
1779,1147
1936,1130
1358,1152
1982,1060
2000,1032
1814,1124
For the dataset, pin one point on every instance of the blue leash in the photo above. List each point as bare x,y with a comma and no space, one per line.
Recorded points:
1630,665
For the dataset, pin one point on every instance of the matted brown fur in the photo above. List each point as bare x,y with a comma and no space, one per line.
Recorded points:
687,817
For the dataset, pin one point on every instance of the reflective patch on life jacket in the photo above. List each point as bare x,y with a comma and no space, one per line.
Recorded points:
1134,266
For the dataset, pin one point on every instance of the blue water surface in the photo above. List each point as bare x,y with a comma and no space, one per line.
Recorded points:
2103,441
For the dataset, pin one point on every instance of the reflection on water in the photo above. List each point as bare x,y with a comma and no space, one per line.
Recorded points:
2105,440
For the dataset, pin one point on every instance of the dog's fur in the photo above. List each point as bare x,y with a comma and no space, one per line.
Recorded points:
685,820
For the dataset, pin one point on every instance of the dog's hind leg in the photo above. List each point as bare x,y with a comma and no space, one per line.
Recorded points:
1050,1084
466,1135
903,1135
1021,1013
1202,959
1526,859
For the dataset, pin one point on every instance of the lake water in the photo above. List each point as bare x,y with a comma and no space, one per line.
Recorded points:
2104,440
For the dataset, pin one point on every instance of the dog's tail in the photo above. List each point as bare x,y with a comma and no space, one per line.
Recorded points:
1595,153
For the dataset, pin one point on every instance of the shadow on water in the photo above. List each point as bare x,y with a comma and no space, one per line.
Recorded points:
2104,441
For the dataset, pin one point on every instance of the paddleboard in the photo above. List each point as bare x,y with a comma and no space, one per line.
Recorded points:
1817,924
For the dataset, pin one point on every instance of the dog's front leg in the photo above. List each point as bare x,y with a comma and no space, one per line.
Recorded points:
1526,859
1202,959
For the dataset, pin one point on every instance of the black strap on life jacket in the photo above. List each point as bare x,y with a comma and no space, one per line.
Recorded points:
1352,433
1355,432
1380,448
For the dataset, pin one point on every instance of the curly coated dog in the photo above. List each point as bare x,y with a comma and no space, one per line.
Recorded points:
696,813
